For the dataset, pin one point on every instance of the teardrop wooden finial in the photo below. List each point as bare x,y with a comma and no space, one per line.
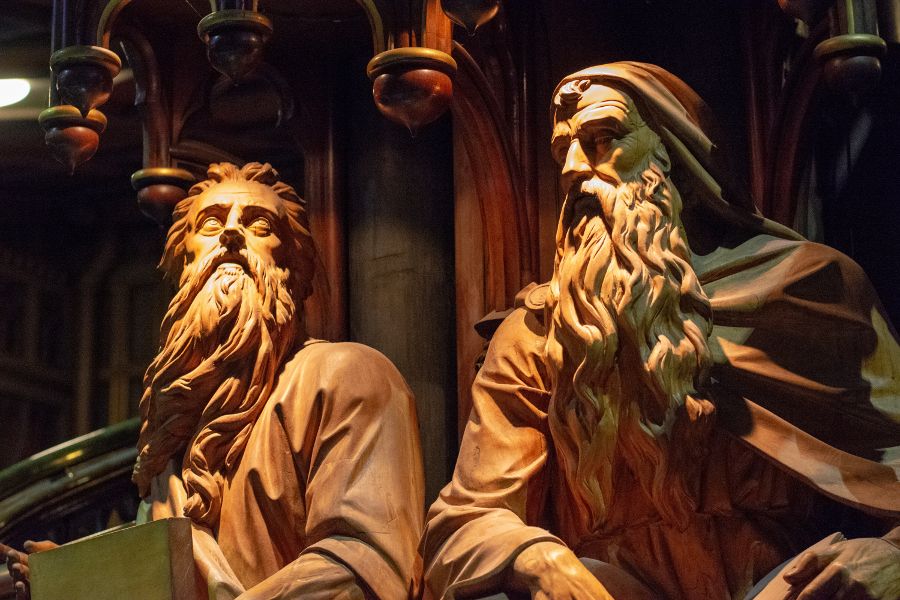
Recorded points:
72,139
852,61
235,40
412,86
470,14
159,189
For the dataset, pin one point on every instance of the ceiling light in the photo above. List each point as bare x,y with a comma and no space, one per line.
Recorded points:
13,90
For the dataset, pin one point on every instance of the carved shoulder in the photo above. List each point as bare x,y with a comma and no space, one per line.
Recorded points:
348,369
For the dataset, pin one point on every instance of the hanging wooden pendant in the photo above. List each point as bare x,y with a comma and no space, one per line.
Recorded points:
159,189
851,62
470,14
235,40
72,138
412,86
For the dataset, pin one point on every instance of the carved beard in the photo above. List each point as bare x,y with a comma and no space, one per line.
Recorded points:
628,323
225,335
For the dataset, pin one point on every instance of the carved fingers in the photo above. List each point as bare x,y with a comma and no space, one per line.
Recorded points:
18,572
17,567
865,568
7,584
550,571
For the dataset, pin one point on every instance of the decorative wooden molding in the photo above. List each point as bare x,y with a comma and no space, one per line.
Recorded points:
488,180
779,108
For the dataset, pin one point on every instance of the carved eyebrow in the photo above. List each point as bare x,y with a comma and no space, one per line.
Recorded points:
253,211
610,114
606,123
212,208
608,103
560,129
562,135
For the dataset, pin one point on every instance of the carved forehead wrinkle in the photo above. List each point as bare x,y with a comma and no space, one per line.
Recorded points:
599,99
596,101
243,193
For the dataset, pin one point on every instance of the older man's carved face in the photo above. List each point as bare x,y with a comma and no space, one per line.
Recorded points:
600,141
231,219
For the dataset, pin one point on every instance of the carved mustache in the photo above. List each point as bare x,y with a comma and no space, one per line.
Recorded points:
195,277
590,197
224,255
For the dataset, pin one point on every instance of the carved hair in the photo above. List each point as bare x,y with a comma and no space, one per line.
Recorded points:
626,348
223,340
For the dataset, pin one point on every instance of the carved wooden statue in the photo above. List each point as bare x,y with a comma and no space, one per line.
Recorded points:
297,460
696,396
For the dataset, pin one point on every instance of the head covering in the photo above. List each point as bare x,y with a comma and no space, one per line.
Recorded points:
686,126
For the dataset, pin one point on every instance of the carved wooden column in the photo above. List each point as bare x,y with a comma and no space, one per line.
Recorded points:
400,284
496,200
159,185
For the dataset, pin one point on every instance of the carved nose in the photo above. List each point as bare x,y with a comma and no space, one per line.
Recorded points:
576,165
232,239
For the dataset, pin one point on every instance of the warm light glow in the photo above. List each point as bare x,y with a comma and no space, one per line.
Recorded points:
13,90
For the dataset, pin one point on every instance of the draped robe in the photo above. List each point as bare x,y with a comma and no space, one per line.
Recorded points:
806,382
331,479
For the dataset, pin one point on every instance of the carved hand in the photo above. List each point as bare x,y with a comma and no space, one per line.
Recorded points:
17,565
865,568
550,571
6,581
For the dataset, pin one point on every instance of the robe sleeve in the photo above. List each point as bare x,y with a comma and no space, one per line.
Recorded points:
362,462
313,576
478,524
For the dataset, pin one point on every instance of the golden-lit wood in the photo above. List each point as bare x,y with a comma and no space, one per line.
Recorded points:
240,397
241,242
649,410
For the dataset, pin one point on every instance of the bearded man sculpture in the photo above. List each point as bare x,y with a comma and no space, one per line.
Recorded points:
303,468
696,396
297,460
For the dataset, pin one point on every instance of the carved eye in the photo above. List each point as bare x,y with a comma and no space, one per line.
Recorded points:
260,227
210,226
602,138
558,149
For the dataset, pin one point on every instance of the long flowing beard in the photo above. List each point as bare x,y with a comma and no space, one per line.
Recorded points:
225,335
626,349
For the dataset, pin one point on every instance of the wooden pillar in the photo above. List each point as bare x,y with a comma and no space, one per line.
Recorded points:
399,209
